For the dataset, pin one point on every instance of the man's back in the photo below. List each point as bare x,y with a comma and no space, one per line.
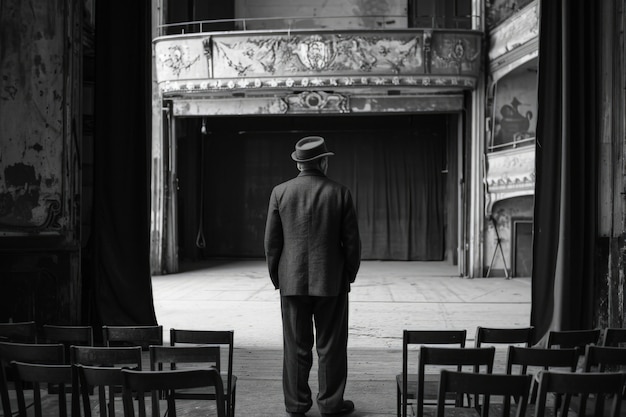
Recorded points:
320,241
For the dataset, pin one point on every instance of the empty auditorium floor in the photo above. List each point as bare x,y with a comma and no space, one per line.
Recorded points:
386,298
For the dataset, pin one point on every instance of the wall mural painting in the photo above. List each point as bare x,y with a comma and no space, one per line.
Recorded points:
515,108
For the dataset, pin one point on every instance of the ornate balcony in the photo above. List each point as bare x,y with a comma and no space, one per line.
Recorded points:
213,63
510,173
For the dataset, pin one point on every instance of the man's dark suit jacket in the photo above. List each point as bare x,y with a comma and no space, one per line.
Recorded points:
312,241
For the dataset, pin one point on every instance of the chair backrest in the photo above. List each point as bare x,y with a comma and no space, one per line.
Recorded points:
614,336
434,337
127,356
604,358
106,379
68,336
606,388
431,356
19,332
429,337
218,338
485,385
143,382
38,374
509,336
573,339
173,356
45,353
530,357
143,336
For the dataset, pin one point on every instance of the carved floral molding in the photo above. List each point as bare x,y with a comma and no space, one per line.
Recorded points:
423,58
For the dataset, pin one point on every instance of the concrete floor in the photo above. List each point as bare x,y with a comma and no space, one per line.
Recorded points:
386,298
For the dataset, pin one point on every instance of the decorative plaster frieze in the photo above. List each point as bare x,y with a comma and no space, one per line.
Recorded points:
419,58
317,102
509,173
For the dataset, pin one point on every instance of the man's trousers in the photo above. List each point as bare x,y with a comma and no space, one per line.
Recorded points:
330,317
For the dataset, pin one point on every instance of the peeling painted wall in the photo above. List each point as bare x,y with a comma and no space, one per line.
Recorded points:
31,113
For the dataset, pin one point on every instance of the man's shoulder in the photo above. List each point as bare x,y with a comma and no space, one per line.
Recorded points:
319,179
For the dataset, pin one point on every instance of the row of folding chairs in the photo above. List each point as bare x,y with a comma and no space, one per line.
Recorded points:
568,388
28,332
124,347
611,336
423,386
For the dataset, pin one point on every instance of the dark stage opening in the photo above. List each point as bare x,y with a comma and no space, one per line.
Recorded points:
402,172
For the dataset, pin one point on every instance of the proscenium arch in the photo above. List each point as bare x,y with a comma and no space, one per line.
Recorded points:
179,112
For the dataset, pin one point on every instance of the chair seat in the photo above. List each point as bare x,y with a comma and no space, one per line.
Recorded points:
463,412
431,388
589,407
496,410
194,393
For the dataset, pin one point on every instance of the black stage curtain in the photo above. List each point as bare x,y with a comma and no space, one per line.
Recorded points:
119,246
396,177
566,189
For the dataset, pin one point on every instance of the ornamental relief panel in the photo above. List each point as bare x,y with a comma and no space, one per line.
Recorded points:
418,58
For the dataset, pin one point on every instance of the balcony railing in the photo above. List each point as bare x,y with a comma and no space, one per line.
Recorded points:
370,22
515,143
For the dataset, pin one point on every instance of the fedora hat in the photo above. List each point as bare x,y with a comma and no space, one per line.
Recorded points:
310,148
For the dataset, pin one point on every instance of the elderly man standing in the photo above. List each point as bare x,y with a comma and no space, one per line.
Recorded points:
313,252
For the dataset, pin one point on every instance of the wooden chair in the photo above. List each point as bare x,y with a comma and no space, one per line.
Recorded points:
19,332
105,357
185,357
614,336
143,382
603,359
59,376
605,387
68,336
221,339
507,336
51,354
503,336
534,361
439,357
108,381
406,383
485,386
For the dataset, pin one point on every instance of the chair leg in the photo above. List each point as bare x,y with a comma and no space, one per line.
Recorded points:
232,405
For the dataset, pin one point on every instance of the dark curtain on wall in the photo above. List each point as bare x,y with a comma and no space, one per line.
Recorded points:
119,278
566,190
396,177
